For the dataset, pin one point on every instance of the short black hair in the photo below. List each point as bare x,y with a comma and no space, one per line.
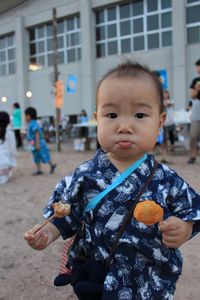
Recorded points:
197,63
16,105
134,69
32,112
4,121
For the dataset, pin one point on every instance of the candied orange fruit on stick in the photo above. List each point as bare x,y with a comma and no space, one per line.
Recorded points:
148,212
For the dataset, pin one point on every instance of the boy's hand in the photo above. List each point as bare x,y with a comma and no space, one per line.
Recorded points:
175,232
43,237
39,240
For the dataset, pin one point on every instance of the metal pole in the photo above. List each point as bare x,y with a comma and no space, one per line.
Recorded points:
56,73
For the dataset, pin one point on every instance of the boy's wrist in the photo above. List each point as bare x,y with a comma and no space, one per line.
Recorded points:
52,233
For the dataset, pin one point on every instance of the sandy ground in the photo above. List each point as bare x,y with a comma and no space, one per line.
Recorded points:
26,274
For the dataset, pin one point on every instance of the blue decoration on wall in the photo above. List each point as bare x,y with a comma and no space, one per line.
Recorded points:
71,84
164,78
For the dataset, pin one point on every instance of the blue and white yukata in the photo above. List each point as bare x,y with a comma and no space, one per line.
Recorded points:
42,155
142,267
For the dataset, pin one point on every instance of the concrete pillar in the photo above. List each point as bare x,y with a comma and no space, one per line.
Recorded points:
21,62
88,56
179,53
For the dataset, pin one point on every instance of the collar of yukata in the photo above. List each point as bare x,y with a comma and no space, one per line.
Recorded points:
136,164
94,201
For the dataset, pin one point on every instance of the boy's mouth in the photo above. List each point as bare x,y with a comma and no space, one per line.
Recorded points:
124,144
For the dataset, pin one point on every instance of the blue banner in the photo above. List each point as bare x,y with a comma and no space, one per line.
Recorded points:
163,78
71,84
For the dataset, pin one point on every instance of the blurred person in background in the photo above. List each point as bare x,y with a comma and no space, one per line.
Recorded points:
169,126
83,118
52,130
17,123
195,115
40,150
7,148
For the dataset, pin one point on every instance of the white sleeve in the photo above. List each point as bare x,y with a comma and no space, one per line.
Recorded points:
12,147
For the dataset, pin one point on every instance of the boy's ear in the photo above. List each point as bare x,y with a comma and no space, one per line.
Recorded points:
162,119
95,115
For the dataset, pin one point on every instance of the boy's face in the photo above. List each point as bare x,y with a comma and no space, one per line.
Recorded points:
165,95
27,118
128,117
198,69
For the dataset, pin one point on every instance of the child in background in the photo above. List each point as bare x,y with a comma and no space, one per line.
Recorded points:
40,150
195,115
17,123
7,148
146,263
83,118
169,126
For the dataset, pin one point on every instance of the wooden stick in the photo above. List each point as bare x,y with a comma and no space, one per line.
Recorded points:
45,222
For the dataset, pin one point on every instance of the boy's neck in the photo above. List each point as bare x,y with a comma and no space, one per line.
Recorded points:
122,165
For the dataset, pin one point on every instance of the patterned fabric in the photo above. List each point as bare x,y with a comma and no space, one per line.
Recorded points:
41,155
142,267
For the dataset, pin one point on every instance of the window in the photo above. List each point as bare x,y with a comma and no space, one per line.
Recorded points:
153,41
166,20
125,28
192,1
152,23
166,4
68,43
152,5
134,26
7,55
138,43
111,13
101,52
126,45
138,25
166,38
193,21
137,8
124,11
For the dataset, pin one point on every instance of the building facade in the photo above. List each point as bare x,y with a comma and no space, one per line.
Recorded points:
92,37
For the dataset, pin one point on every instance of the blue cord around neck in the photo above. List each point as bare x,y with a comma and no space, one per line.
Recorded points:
94,201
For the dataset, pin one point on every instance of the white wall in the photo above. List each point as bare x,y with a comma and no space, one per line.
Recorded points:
41,84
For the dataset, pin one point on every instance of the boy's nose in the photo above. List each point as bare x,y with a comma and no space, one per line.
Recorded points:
125,126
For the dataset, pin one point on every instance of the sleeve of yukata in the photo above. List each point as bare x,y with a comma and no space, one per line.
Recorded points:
68,191
185,203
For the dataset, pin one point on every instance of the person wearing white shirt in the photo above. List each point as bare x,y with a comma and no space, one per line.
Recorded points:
169,126
195,116
7,148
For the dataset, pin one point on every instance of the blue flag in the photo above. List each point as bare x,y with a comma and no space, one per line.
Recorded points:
164,79
71,84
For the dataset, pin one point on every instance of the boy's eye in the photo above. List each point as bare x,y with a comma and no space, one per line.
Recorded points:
112,115
140,115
